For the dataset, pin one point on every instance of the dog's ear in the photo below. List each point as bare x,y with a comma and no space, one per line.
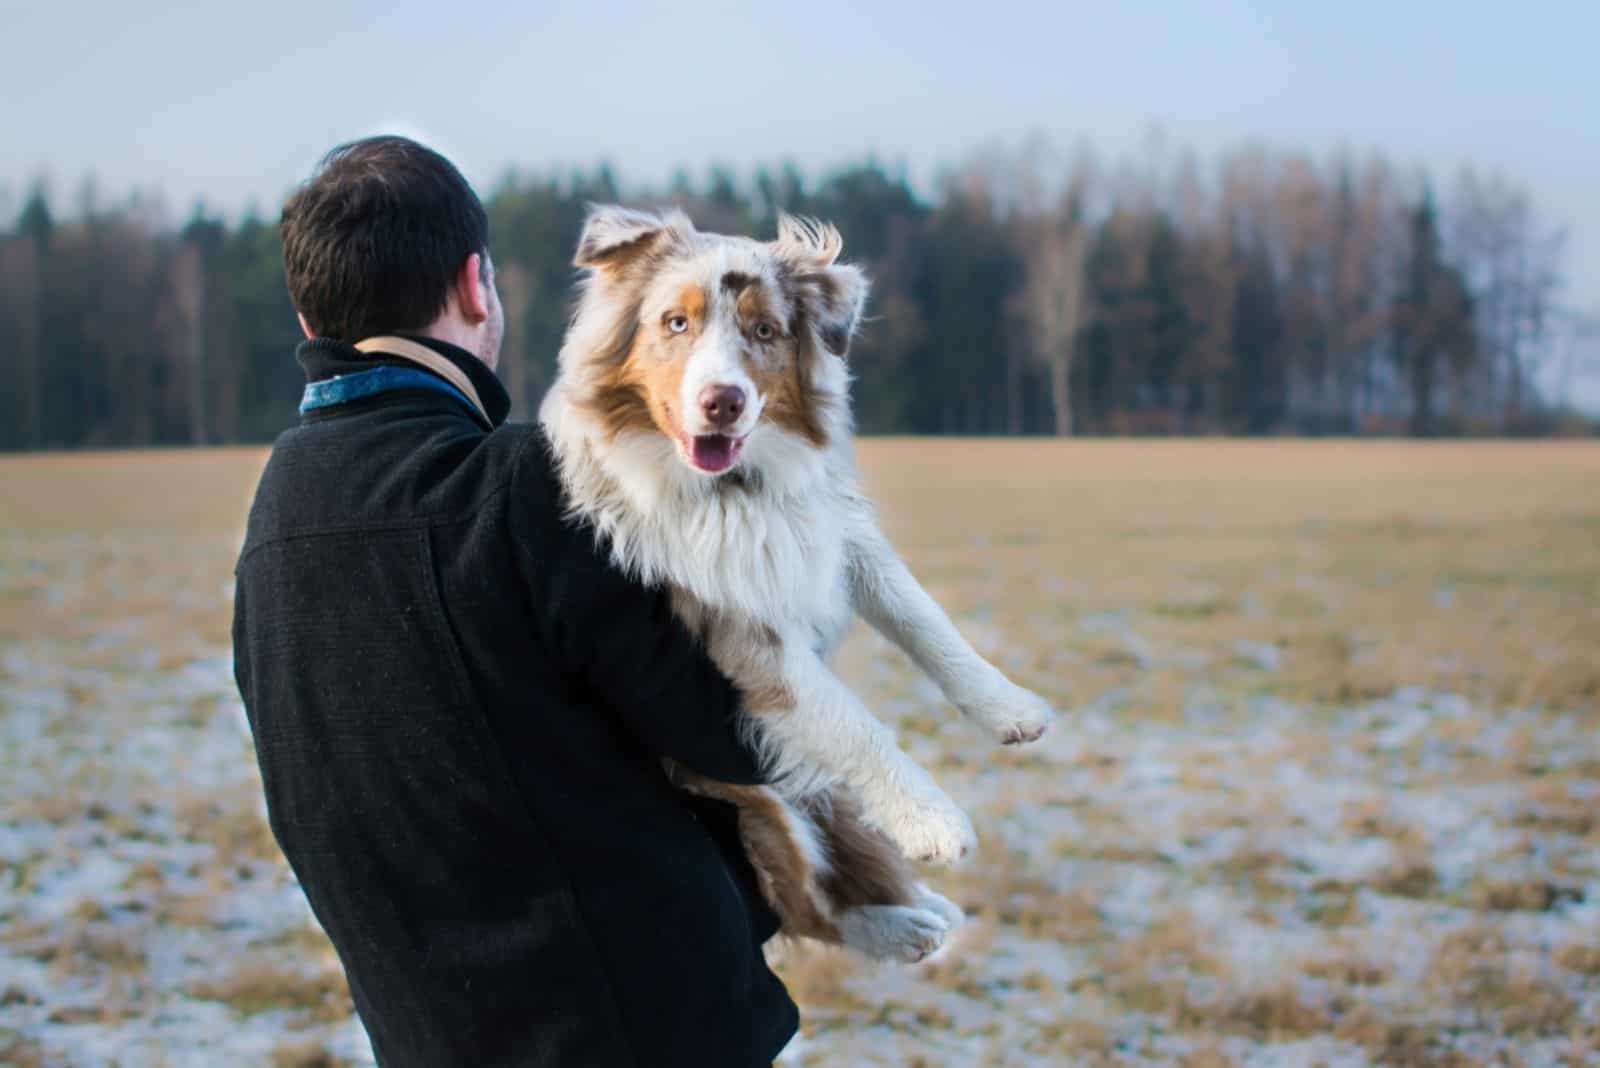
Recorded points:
831,294
808,241
614,236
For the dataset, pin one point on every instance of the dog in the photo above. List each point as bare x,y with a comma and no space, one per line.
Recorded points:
701,424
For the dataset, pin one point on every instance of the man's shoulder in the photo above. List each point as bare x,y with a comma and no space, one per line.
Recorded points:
325,479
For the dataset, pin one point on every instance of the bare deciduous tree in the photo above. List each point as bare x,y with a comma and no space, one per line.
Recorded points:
1512,265
1051,227
1053,299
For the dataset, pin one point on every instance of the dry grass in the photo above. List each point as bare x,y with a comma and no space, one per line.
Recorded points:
20,1051
319,994
204,491
1334,779
1471,567
303,1054
1583,957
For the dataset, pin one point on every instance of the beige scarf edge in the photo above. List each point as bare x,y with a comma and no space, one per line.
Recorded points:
419,353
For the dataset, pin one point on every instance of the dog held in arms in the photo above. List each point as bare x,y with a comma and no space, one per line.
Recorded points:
701,425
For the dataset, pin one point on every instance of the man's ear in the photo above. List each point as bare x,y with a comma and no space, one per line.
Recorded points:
831,294
305,327
614,236
472,289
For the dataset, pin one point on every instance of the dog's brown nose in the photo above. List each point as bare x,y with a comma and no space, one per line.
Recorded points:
722,405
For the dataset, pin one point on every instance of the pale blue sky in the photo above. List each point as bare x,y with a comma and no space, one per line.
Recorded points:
234,102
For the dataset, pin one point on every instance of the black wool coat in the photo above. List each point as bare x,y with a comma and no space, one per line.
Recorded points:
459,710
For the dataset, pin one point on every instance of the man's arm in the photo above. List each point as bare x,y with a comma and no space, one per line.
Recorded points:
624,641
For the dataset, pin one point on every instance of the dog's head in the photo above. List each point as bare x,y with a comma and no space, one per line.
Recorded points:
716,343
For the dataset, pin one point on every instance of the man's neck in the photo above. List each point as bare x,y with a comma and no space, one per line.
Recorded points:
461,335
325,358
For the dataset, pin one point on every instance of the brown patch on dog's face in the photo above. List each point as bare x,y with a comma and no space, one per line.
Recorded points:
757,305
692,303
782,366
640,392
617,403
737,281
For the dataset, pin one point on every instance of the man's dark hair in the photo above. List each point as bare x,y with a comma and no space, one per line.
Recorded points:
373,241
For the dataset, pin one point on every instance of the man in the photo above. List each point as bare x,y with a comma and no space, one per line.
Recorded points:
459,709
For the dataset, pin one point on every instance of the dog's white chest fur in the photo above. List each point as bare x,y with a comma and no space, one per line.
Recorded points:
766,545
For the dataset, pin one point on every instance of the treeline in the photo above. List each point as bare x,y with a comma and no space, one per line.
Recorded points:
1264,293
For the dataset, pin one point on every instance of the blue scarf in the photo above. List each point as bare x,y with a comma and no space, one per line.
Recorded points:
342,389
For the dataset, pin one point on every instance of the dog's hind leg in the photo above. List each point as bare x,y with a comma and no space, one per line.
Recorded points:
893,932
786,850
831,877
883,911
946,909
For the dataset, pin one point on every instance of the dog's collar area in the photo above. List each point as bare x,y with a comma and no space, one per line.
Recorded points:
743,478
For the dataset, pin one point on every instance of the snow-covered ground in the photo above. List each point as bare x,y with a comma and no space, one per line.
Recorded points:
146,918
1274,829
1407,880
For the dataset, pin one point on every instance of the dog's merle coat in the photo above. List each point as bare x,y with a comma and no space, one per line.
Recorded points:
760,530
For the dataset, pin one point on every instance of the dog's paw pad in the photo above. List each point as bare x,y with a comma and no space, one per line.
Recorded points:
1014,717
933,834
1017,734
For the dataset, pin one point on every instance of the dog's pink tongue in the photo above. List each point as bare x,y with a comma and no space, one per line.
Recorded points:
713,452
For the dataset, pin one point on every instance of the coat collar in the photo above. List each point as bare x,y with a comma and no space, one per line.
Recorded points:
323,358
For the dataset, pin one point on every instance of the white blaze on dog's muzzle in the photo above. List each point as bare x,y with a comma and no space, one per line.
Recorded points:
717,394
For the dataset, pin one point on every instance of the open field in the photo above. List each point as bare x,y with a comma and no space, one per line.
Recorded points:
1328,792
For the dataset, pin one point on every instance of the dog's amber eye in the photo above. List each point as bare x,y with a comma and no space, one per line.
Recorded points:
765,332
677,323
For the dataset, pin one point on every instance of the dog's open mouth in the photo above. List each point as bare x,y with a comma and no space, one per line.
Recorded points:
713,453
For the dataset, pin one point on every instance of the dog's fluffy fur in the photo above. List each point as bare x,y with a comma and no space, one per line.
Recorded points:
751,514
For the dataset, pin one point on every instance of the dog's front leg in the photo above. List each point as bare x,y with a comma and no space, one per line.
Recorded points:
885,593
815,732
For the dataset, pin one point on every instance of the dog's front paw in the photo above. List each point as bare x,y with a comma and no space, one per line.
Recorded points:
925,825
1012,715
